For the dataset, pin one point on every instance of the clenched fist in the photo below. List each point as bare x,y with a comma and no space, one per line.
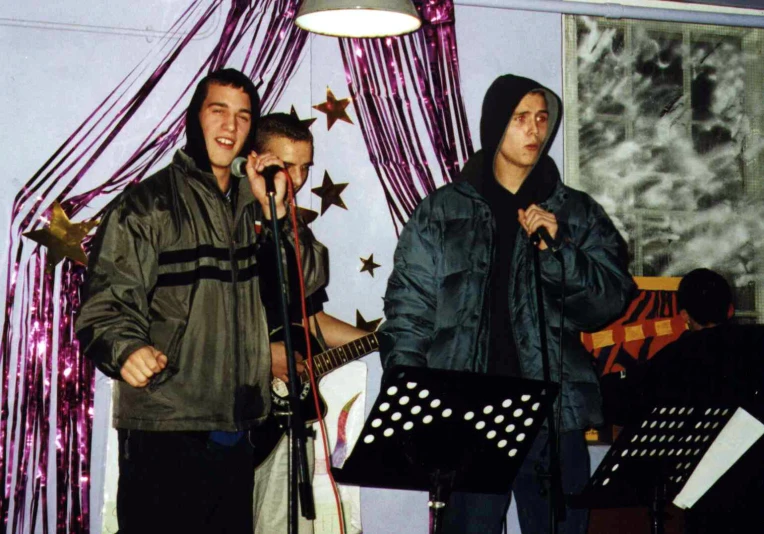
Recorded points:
141,365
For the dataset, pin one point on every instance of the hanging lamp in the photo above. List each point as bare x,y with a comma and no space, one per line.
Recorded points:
358,18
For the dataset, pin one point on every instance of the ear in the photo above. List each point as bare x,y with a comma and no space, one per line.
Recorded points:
685,317
731,311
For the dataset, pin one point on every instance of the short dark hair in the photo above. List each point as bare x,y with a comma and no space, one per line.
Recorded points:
280,125
706,296
195,146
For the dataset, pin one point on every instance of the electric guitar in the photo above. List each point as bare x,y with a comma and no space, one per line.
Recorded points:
267,436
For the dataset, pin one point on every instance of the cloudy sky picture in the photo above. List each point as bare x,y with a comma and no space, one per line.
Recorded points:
669,142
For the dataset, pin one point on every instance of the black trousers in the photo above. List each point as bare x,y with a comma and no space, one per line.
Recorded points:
183,482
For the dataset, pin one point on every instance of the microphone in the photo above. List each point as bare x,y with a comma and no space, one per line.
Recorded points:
239,169
543,233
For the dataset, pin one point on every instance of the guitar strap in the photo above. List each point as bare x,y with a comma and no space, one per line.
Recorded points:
319,334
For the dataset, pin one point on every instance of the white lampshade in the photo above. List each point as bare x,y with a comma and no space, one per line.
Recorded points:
358,18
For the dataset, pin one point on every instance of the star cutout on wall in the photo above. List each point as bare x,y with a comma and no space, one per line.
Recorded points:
329,192
334,109
369,265
367,326
307,122
62,238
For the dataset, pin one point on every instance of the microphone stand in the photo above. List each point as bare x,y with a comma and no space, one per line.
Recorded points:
297,434
554,476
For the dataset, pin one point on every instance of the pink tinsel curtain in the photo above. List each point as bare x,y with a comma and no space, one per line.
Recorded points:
408,100
39,357
379,73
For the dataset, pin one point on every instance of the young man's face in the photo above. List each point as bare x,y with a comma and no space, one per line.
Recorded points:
225,117
296,155
525,132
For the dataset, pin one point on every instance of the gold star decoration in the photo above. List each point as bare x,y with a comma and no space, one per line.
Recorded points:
369,265
62,238
307,122
334,109
329,192
363,324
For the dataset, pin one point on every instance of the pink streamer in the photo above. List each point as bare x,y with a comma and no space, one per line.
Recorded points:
377,71
44,350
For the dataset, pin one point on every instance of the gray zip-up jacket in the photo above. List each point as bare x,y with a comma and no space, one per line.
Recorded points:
173,266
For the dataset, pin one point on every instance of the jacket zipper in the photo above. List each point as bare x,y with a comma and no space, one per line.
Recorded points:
529,283
231,218
486,309
510,295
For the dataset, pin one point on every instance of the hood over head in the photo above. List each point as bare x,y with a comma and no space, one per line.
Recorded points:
195,145
500,101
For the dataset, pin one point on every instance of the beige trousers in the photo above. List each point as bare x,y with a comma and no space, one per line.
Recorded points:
271,501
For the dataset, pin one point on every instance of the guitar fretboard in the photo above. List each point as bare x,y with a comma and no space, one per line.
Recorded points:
333,358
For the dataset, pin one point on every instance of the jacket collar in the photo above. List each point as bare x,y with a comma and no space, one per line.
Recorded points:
544,178
208,180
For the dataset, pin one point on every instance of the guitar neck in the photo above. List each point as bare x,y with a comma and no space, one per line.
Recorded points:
337,357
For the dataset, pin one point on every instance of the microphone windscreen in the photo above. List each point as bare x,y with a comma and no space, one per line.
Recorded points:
239,167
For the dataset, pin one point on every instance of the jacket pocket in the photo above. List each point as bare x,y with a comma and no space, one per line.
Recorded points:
166,336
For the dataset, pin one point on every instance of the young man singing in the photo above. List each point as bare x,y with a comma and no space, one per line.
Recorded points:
462,292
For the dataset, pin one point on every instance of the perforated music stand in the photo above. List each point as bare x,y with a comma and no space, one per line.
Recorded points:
442,431
651,461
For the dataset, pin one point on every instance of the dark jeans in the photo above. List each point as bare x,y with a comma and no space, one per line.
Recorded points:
183,482
475,513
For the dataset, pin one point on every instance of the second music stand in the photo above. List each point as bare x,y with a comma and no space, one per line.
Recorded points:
651,462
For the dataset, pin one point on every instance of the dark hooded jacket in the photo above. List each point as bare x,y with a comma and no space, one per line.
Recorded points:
174,265
436,306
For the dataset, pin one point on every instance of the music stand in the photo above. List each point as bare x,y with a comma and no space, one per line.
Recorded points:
651,462
441,431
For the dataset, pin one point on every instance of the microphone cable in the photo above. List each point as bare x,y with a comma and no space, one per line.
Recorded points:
292,209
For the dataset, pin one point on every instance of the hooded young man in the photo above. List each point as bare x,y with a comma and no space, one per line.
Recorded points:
462,292
172,312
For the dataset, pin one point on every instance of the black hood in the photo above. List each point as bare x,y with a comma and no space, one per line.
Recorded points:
195,146
500,101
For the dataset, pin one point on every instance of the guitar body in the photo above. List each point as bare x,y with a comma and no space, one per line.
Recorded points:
280,389
266,437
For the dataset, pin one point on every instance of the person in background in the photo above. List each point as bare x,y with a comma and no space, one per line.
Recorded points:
290,140
713,363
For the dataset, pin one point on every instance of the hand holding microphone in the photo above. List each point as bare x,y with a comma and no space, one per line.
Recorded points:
540,225
265,178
